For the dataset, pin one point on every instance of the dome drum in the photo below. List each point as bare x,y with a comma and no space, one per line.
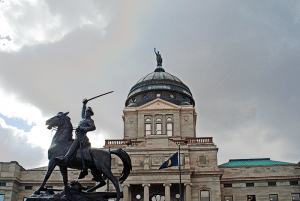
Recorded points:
168,95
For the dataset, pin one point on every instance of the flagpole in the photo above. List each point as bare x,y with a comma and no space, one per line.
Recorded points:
179,173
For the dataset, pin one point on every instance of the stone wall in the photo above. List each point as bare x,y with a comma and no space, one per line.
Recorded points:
259,177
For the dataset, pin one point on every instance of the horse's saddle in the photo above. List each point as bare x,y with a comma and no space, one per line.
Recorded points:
86,152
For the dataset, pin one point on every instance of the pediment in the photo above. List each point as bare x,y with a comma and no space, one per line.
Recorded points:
158,104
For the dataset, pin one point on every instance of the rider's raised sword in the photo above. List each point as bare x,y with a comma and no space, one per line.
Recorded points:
100,95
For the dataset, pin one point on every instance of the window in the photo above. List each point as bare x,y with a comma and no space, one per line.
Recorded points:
24,199
28,187
169,129
158,128
148,129
249,184
293,183
148,126
251,198
2,184
158,119
201,160
227,185
1,197
295,196
204,195
273,197
271,183
228,198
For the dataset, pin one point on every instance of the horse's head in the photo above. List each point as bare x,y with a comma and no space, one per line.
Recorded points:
59,120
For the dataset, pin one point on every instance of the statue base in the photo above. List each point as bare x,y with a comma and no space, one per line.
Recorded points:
74,196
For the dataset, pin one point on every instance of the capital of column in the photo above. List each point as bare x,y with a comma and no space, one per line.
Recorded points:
126,185
146,185
167,184
187,184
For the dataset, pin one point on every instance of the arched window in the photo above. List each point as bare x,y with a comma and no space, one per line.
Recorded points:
169,126
148,126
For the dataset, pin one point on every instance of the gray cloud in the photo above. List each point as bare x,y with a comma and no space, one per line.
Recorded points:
16,148
5,38
240,60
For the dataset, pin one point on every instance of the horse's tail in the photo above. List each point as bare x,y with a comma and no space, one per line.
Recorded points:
126,163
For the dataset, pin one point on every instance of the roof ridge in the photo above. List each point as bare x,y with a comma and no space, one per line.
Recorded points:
253,162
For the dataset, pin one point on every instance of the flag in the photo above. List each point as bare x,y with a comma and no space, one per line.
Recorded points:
172,161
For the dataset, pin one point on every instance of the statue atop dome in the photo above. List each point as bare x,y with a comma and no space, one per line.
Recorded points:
158,58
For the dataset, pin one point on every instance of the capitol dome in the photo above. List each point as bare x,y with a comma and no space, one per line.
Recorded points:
159,84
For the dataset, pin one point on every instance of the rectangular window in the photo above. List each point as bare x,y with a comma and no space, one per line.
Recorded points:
249,184
295,196
273,197
293,183
204,195
158,128
271,183
2,184
201,160
1,197
28,187
148,129
251,198
24,199
169,129
228,198
227,185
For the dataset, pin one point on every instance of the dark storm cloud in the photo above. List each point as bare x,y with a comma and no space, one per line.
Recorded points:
239,58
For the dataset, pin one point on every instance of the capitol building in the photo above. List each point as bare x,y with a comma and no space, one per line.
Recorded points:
159,117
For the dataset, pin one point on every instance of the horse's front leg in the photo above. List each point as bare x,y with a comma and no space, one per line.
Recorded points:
64,173
51,167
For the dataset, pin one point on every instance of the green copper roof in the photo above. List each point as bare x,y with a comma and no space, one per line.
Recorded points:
253,162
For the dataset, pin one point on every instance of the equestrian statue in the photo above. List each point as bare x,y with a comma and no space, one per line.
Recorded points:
66,152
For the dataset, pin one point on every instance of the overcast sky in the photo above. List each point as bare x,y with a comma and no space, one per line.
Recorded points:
239,58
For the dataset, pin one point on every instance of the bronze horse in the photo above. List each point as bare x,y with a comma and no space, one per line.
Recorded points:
101,159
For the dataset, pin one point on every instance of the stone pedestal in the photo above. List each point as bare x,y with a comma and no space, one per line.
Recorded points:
99,196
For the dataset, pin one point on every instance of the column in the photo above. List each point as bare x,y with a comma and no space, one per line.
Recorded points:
187,161
153,132
146,192
167,192
126,192
188,191
146,162
164,124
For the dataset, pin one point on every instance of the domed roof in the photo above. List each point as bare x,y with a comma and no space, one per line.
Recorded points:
159,76
159,84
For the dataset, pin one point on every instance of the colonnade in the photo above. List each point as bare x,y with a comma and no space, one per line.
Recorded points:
187,193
